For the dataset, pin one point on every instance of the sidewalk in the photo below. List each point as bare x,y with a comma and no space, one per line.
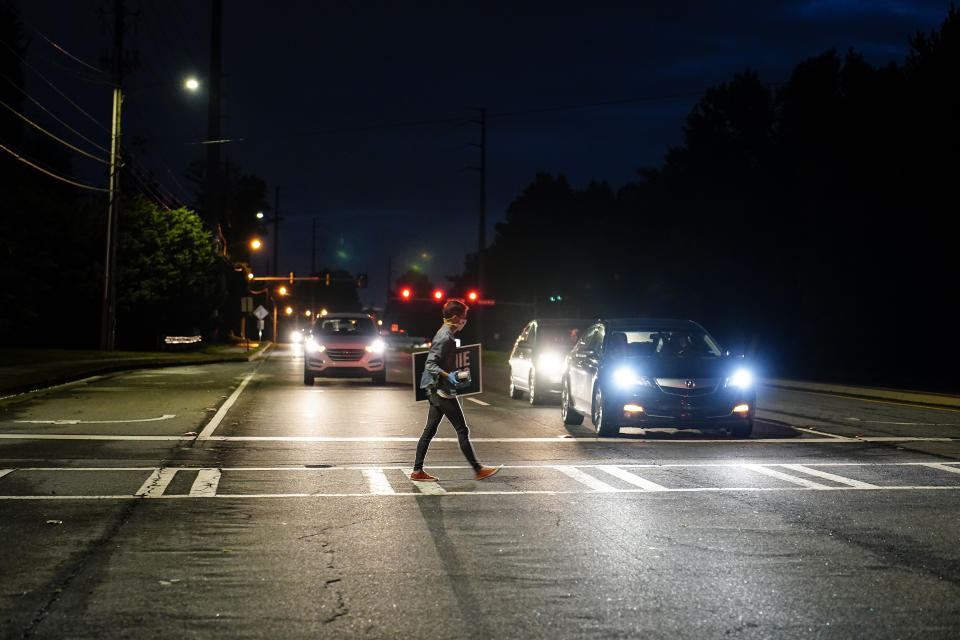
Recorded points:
870,393
23,369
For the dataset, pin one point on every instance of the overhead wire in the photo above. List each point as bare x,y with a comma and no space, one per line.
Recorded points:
61,49
42,130
48,172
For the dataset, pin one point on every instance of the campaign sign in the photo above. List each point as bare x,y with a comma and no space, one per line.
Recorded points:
468,358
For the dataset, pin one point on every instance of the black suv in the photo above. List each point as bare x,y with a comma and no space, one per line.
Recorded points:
537,357
655,373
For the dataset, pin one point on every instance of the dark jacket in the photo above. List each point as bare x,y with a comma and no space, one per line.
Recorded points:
441,357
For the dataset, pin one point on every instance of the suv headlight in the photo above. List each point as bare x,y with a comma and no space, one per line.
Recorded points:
741,378
375,347
314,347
627,378
550,363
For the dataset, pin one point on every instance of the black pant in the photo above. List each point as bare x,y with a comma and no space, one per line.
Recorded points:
450,407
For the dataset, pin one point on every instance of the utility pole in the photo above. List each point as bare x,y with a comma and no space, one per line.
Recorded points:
108,316
214,211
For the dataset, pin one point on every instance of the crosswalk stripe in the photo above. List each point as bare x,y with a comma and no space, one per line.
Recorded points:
4,472
942,467
829,476
205,486
378,482
785,476
633,479
429,488
585,478
156,484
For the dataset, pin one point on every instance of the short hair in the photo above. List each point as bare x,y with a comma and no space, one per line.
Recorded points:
454,308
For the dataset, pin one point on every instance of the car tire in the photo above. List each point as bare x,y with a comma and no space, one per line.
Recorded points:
567,412
380,377
602,416
743,430
515,393
532,387
308,379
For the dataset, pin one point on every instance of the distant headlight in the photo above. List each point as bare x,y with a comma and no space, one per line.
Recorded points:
741,378
626,378
314,347
296,336
375,347
550,364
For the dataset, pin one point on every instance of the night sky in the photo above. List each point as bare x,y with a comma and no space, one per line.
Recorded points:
364,113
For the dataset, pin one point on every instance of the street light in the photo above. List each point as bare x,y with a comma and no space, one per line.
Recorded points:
191,84
255,244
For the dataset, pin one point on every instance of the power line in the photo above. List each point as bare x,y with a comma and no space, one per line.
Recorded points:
50,173
42,130
61,49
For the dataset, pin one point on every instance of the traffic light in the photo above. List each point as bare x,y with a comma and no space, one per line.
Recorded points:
362,280
406,293
438,295
473,295
556,298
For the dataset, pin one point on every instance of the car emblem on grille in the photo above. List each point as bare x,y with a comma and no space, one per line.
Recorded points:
690,383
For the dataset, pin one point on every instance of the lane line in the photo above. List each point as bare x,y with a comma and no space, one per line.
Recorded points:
785,476
497,493
480,402
77,436
820,433
914,405
586,478
379,485
205,486
4,472
829,476
428,488
222,412
633,479
165,416
932,465
156,484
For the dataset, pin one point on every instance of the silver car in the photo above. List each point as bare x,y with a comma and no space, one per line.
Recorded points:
537,358
344,345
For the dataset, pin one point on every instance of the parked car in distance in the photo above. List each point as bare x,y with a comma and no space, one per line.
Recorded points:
655,373
344,345
537,357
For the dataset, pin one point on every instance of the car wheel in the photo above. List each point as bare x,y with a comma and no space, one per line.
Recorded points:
308,379
532,387
514,392
742,430
380,377
569,415
602,416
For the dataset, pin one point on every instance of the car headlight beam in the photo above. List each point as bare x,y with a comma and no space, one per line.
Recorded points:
741,378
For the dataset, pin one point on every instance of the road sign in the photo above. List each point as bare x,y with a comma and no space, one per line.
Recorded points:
468,357
260,312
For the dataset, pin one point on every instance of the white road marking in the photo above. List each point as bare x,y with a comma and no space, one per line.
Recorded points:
218,417
428,488
820,433
942,467
785,476
205,486
914,424
633,479
165,416
379,485
157,483
4,472
829,476
480,402
586,478
80,436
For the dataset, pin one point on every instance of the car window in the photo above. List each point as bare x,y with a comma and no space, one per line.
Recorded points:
593,339
670,343
346,326
563,337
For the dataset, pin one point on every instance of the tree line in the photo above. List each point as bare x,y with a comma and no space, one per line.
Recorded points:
807,224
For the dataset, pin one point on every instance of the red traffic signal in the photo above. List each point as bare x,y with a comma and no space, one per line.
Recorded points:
405,293
473,295
438,294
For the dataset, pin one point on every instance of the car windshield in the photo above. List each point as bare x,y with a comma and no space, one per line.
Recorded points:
683,343
345,326
563,337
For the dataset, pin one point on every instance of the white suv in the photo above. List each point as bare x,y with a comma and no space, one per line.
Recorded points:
344,345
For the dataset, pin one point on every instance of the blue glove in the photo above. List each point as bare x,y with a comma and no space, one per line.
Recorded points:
452,377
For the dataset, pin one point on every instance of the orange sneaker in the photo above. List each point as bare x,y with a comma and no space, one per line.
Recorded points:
422,476
486,472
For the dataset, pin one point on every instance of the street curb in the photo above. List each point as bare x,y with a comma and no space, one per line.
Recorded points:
54,381
929,398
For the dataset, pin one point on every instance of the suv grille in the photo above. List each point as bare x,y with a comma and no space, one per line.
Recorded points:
345,355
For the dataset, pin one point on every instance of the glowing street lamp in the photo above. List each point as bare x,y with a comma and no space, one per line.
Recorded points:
255,244
191,84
